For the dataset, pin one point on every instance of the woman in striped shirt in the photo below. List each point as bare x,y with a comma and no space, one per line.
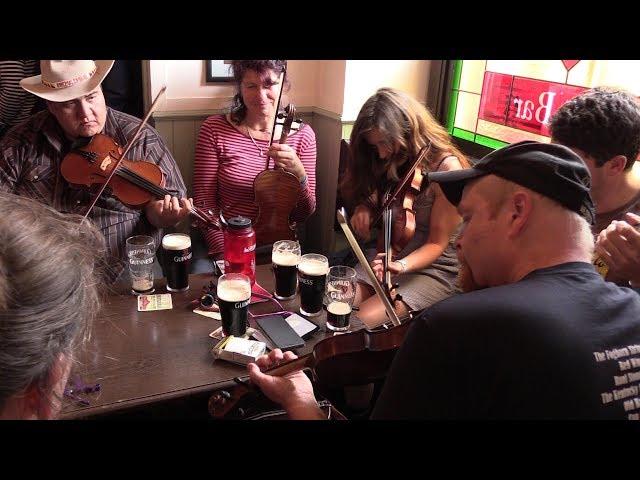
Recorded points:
232,149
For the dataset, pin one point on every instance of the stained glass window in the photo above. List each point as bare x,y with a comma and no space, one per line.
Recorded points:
496,102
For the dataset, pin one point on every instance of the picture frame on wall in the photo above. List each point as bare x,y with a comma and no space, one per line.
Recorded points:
218,71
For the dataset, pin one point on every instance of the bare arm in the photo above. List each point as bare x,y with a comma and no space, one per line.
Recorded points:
442,224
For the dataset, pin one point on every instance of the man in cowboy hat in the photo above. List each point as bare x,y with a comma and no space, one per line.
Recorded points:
31,154
541,335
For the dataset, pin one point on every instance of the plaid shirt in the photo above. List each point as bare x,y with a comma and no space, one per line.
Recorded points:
30,158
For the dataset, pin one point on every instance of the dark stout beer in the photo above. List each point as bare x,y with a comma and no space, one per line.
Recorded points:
338,316
285,270
312,276
234,295
177,258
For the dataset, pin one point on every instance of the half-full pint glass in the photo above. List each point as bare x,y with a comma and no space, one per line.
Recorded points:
339,297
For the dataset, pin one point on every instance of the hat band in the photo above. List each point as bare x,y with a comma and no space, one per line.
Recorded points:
73,81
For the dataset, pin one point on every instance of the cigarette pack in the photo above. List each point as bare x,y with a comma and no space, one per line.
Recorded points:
238,350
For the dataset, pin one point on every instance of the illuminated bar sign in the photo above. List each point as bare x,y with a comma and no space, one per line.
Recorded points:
522,103
495,102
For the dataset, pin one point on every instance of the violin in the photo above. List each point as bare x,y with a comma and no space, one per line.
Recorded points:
401,202
276,193
354,358
99,160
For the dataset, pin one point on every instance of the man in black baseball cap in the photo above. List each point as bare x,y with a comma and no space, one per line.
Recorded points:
551,170
509,202
529,342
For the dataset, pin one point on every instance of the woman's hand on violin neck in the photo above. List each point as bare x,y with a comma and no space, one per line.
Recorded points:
377,266
285,157
293,391
169,211
361,221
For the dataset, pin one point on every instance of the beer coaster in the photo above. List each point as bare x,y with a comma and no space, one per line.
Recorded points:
217,333
207,313
149,303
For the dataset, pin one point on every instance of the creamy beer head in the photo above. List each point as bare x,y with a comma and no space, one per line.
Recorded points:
312,277
235,290
339,308
313,266
285,258
176,241
234,295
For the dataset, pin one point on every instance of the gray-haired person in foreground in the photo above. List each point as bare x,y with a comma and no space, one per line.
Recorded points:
49,275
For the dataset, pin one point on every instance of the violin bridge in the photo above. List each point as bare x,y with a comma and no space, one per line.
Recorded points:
105,163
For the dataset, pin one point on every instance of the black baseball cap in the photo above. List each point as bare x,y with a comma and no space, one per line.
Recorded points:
552,170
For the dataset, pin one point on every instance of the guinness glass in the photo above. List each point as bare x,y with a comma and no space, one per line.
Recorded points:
234,295
339,296
312,276
177,258
285,258
141,250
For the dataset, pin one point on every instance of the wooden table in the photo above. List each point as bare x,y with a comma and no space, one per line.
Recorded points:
145,358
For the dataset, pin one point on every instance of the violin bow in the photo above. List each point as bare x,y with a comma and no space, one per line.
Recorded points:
386,302
128,147
387,219
275,121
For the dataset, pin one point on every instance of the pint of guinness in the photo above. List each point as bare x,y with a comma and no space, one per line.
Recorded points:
234,296
285,258
338,316
177,258
339,296
312,275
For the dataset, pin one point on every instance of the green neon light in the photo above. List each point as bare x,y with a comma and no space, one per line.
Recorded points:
457,73
464,134
490,142
453,103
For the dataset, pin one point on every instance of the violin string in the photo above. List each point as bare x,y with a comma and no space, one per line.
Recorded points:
142,182
155,189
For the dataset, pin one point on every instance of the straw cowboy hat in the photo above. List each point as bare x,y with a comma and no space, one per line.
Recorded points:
64,80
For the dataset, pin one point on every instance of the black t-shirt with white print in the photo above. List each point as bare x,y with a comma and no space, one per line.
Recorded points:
559,344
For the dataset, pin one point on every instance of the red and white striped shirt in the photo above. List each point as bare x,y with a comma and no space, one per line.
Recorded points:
227,162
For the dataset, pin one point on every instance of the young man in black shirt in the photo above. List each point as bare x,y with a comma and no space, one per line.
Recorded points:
540,335
602,126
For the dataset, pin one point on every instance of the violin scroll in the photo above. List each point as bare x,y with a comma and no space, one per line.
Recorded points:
288,117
